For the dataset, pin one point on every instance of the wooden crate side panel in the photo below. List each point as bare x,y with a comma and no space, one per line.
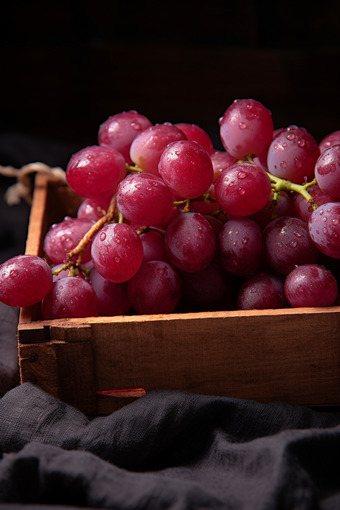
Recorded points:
242,357
64,370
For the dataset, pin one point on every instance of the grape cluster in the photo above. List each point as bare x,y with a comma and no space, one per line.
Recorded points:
168,223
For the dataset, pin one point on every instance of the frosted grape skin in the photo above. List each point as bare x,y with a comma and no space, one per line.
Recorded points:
119,131
287,243
95,171
186,168
70,297
246,127
292,155
240,246
221,160
302,209
117,252
156,288
260,292
310,285
24,280
196,134
144,199
324,229
242,189
62,237
112,297
94,208
327,171
190,242
153,247
147,147
329,140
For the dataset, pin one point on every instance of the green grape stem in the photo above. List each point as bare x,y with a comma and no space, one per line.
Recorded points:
133,168
279,184
284,185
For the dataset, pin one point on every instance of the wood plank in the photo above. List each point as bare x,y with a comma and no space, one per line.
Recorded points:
64,370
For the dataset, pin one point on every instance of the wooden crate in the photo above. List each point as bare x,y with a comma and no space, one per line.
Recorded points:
292,355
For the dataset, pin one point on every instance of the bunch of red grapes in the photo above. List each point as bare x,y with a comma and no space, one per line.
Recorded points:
168,223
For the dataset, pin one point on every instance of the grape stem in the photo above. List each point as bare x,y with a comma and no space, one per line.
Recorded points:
79,250
133,168
279,184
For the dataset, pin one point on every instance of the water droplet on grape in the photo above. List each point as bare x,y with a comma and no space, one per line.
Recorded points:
241,191
297,234
13,273
241,175
324,218
321,211
245,240
117,259
298,163
136,126
290,136
220,120
325,231
283,164
284,145
242,125
142,144
102,236
68,243
301,143
294,244
252,290
335,221
236,232
276,146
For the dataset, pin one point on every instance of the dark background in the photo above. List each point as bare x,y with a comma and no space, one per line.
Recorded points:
66,66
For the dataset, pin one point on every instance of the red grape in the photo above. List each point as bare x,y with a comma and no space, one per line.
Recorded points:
94,208
64,236
310,285
112,297
246,128
147,147
95,171
153,247
190,242
261,291
119,131
24,280
327,171
197,134
221,160
324,230
287,243
156,288
242,189
144,199
302,209
292,155
283,206
70,297
117,252
240,246
186,168
329,140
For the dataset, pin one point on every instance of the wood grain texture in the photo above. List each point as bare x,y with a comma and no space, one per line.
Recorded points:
292,355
